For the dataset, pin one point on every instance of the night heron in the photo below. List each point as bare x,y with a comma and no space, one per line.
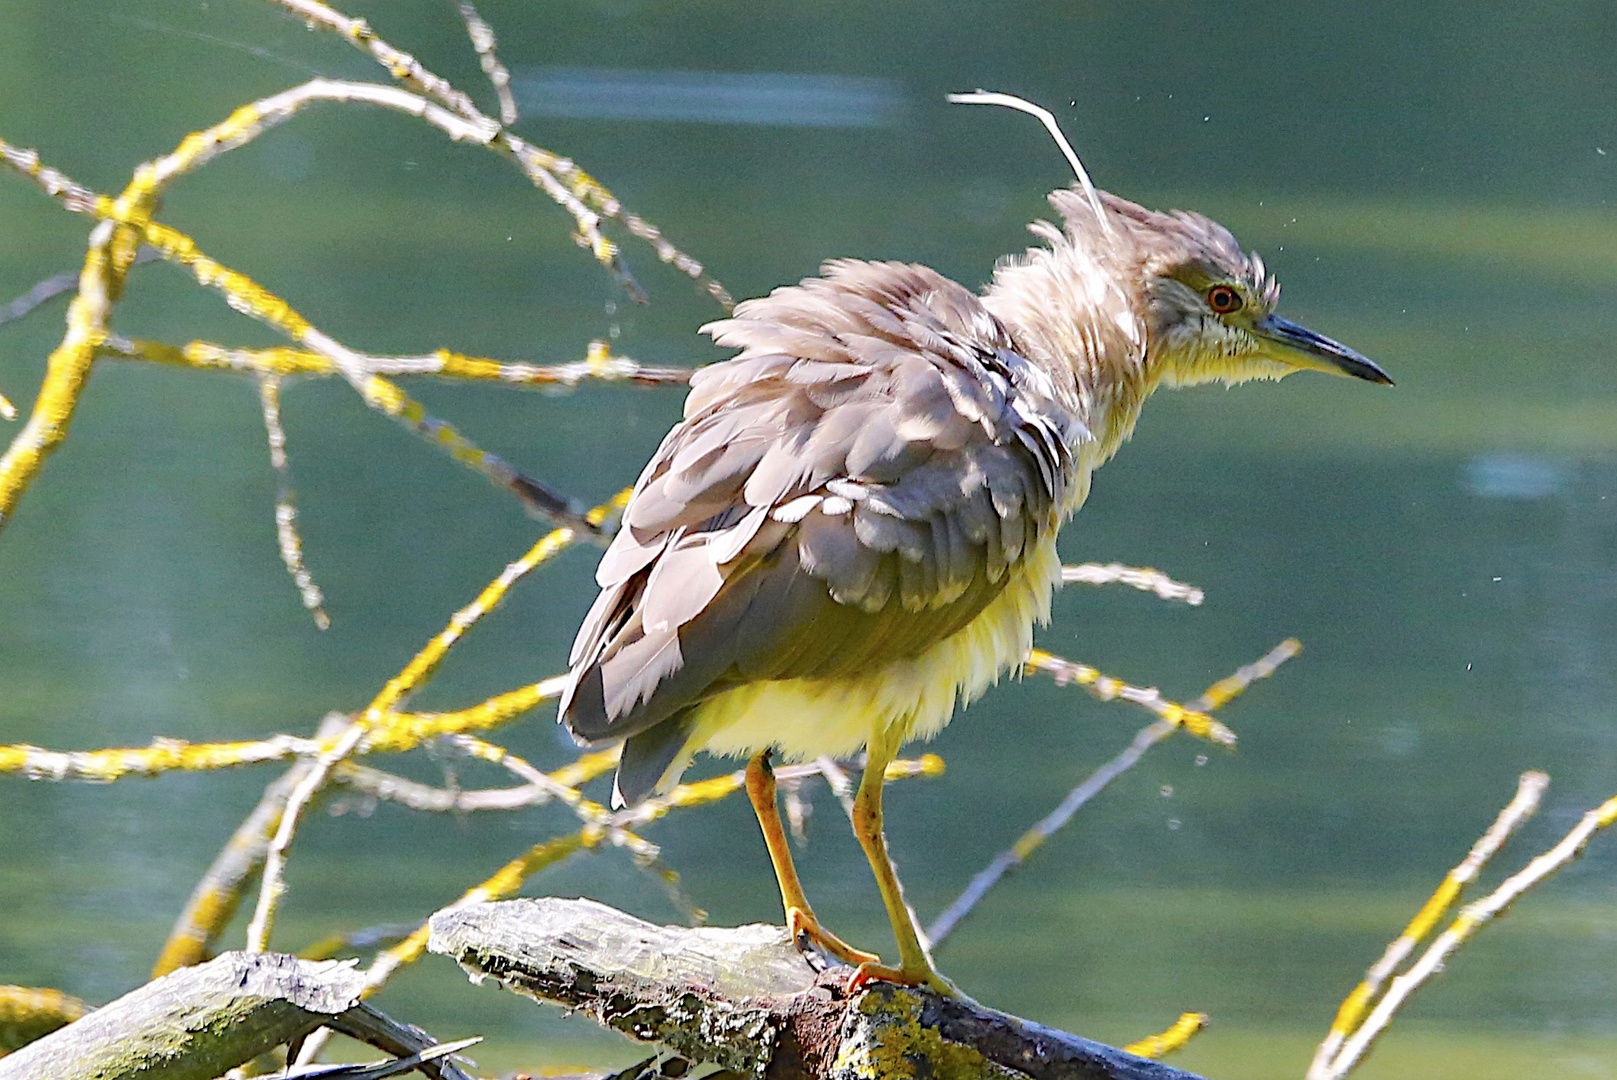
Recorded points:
854,526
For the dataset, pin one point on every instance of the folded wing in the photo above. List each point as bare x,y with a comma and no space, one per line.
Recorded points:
848,490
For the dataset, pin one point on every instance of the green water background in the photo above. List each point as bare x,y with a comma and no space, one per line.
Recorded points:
1431,185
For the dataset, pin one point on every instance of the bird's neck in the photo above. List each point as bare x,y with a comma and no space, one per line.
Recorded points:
1065,309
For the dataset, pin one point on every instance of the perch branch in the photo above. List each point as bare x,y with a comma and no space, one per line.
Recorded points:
746,1000
509,878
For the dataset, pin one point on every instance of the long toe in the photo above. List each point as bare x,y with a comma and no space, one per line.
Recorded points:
921,977
805,928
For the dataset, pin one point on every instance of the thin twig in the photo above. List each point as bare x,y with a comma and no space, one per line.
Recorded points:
1144,578
58,185
384,786
546,788
1102,686
483,43
1044,828
52,287
273,885
408,70
414,674
1471,918
575,190
599,364
1183,1030
1147,737
286,510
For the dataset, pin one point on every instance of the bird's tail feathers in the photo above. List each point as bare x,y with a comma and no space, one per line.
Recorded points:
653,760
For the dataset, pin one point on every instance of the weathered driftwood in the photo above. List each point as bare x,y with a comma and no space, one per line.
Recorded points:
200,1022
745,999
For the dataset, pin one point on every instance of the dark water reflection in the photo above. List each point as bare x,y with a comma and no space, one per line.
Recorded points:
1446,549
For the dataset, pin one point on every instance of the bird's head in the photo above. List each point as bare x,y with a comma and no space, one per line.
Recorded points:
1208,308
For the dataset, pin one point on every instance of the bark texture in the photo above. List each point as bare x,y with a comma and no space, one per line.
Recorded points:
746,1000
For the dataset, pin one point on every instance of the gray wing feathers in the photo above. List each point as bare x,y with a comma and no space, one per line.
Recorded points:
647,759
846,491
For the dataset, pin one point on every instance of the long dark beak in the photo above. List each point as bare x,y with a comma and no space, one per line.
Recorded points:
1301,347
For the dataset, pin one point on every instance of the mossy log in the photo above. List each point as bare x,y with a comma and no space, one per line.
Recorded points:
746,1000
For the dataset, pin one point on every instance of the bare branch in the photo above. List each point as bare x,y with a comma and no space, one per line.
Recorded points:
1144,578
746,1000
1147,737
1183,1030
28,1013
575,190
1472,917
1068,672
199,1022
286,510
58,185
482,35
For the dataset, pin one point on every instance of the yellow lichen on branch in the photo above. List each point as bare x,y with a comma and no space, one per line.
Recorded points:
66,371
112,254
374,717
28,1013
575,190
1068,672
608,827
1183,1030
1349,1038
599,363
423,663
394,732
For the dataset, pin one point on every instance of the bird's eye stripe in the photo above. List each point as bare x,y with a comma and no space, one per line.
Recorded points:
1223,299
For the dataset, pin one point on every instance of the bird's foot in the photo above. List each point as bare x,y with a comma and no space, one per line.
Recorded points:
804,927
922,976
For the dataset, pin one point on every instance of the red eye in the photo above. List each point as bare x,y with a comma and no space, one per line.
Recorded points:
1223,299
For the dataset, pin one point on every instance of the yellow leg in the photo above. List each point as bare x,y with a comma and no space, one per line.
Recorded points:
915,966
800,920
